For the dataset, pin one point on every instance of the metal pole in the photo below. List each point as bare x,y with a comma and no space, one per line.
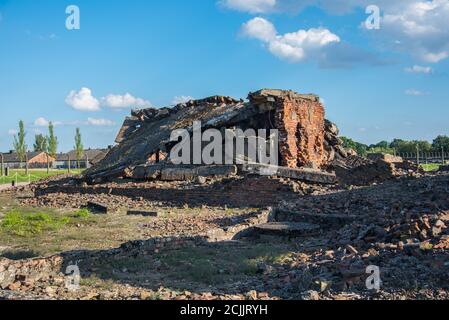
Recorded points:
417,154
1,156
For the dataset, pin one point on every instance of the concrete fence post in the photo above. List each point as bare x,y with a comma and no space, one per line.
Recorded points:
26,163
443,160
2,164
48,164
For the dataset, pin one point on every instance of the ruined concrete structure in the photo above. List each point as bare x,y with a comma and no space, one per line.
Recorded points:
306,139
300,121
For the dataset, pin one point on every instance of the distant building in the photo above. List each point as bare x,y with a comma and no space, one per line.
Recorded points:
89,158
35,160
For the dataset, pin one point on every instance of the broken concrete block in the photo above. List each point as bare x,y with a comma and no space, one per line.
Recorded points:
177,174
323,219
7,278
97,207
385,157
143,213
216,171
190,174
304,174
289,229
146,172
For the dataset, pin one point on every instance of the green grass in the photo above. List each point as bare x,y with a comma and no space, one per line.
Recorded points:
33,175
213,266
82,214
28,224
430,167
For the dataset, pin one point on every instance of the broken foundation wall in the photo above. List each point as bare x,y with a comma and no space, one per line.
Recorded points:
300,120
306,139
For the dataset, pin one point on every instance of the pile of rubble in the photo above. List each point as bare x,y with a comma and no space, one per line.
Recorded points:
400,226
334,212
311,156
306,138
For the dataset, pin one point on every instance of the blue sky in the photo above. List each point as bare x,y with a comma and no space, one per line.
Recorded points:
376,84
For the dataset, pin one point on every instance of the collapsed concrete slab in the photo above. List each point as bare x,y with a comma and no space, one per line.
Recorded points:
303,174
163,172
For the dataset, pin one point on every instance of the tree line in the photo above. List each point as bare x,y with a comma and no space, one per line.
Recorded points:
399,146
47,144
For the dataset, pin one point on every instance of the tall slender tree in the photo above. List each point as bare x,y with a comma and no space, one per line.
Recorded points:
40,143
52,141
19,143
79,148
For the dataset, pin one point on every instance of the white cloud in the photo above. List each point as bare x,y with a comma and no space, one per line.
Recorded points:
251,6
259,28
294,47
181,99
124,101
419,69
83,100
421,27
337,7
415,27
100,122
414,92
41,122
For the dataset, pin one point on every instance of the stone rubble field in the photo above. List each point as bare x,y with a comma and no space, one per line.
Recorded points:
316,246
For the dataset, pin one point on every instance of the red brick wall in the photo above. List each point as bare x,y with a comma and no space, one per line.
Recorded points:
301,132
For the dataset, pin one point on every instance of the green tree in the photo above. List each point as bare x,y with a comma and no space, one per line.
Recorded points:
79,148
440,143
360,148
381,145
396,144
403,146
40,144
424,146
52,141
19,142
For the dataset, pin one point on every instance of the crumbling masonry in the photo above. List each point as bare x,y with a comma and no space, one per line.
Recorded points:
307,140
300,121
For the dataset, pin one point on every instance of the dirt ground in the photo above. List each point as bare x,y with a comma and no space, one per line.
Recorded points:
398,226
